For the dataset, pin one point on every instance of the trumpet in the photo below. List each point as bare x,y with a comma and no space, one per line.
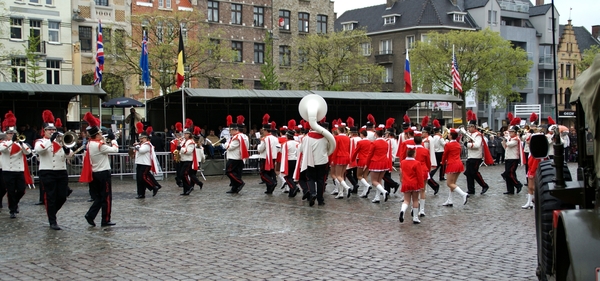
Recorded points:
445,133
68,139
21,138
468,136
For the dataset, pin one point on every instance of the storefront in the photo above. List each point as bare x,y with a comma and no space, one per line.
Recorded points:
566,117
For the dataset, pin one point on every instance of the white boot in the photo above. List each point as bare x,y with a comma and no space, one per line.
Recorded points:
366,188
347,189
464,195
339,189
335,189
377,198
402,211
383,192
416,215
448,202
529,204
421,207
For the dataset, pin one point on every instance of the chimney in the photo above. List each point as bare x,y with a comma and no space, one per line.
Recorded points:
539,2
596,31
390,3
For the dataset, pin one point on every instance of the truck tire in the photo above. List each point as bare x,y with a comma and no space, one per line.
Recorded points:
545,205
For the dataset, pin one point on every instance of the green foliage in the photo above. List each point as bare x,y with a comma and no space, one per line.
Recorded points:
113,85
333,62
487,63
32,52
587,57
269,80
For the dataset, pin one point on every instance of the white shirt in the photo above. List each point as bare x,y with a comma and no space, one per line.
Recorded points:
200,154
524,141
99,154
439,143
233,147
475,148
144,154
14,162
292,150
187,150
49,160
371,136
551,144
314,151
268,145
512,148
430,145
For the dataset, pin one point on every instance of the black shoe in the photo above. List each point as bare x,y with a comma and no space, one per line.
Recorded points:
312,200
368,190
90,220
184,194
508,193
401,217
200,184
293,192
355,189
321,203
69,192
436,190
240,187
39,203
13,216
442,179
519,187
471,192
484,190
306,196
232,190
154,191
108,224
55,226
140,197
396,188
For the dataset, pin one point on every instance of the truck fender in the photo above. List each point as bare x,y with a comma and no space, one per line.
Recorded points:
577,244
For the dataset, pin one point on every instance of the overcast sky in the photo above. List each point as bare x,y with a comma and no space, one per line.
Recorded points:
584,13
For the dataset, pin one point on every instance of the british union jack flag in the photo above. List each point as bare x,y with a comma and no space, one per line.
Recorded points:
99,56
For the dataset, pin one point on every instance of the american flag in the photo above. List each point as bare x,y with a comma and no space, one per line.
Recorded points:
99,56
456,84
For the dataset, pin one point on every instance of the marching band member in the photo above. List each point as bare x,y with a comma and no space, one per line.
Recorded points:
454,166
267,149
15,171
513,155
533,165
406,125
550,136
312,164
96,171
438,148
289,156
187,150
412,183
2,186
476,147
200,158
351,170
339,161
237,153
176,142
390,137
424,157
145,163
54,179
281,138
370,125
378,161
360,155
430,145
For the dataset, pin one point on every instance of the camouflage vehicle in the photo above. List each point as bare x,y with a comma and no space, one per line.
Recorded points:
567,214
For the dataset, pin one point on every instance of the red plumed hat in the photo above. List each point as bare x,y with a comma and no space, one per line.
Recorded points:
188,123
350,122
515,121
425,121
266,125
436,124
58,123
406,119
292,124
139,127
273,125
533,117
93,123
371,121
551,121
334,123
389,123
10,122
240,120
48,119
196,130
229,120
510,117
149,130
178,127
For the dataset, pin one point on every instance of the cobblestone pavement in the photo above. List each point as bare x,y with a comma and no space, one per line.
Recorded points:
211,235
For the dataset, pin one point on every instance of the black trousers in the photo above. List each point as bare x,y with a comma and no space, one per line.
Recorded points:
351,176
439,166
186,167
388,182
510,174
2,188
234,171
289,179
526,166
268,176
194,177
101,190
15,188
178,174
472,173
55,186
303,182
145,179
316,177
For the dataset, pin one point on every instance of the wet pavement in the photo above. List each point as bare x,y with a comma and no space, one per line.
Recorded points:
211,235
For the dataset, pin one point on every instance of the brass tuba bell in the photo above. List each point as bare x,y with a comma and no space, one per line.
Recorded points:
313,108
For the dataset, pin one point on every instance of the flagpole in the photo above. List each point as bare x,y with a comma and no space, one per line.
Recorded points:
183,101
452,86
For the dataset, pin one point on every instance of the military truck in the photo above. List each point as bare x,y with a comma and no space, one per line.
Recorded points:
567,213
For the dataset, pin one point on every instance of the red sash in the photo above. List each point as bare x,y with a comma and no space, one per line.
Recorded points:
315,135
56,147
28,179
14,149
244,149
194,160
487,156
269,165
285,157
86,171
298,167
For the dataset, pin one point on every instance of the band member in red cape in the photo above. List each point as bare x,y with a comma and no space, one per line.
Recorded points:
96,171
54,179
476,150
550,136
390,136
289,156
351,168
188,157
312,165
176,142
430,145
340,158
146,164
533,165
267,149
513,156
412,182
281,139
438,147
454,166
378,162
370,125
359,156
424,158
237,153
200,158
14,164
406,126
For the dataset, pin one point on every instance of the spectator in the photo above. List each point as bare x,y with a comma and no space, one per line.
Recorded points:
158,141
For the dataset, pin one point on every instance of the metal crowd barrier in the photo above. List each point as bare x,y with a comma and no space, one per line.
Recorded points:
251,164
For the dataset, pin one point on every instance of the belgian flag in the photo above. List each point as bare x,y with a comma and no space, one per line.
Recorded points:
180,61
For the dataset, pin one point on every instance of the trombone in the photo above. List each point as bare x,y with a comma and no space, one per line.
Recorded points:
463,132
68,139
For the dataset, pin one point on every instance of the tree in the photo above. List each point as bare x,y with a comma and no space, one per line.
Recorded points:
588,57
32,51
487,63
205,57
269,81
333,62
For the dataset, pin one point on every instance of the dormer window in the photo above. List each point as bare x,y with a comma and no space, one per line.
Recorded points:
350,25
458,16
390,19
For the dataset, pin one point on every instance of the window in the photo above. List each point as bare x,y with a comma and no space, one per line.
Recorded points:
35,34
184,31
52,72
259,16
568,71
410,42
161,3
237,46
236,13
425,38
214,83
284,19
213,11
388,75
303,22
321,24
49,2
492,17
168,4
302,58
237,84
364,76
102,2
459,18
159,31
259,53
119,41
284,56
389,20
34,1
348,26
213,50
85,37
258,85
385,47
53,31
17,66
365,48
16,28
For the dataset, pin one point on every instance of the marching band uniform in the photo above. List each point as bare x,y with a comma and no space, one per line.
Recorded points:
15,171
424,158
54,179
96,171
267,149
360,155
351,170
289,156
438,148
313,160
237,153
341,157
412,183
512,157
379,161
430,145
188,160
388,182
145,165
176,145
475,156
2,186
451,160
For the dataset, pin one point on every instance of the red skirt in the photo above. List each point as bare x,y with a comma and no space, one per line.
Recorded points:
361,163
340,160
455,167
410,187
379,166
